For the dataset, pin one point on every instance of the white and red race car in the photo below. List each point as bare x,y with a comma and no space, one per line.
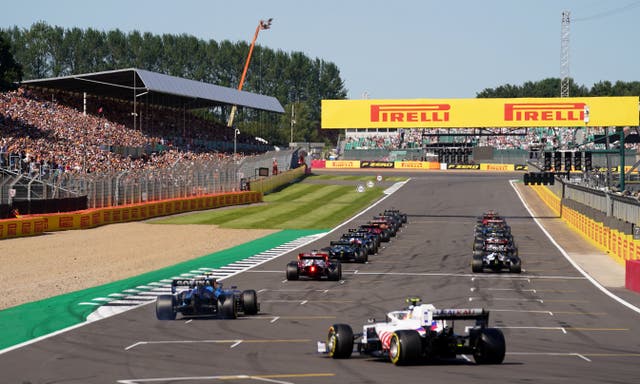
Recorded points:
418,333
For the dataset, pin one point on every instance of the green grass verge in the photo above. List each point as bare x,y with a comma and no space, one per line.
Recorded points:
356,178
28,321
299,206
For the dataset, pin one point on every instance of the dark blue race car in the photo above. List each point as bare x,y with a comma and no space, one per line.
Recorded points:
205,296
348,250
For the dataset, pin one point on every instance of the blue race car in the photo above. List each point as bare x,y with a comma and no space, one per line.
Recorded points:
204,295
348,250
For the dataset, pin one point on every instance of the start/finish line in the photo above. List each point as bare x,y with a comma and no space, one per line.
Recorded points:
481,113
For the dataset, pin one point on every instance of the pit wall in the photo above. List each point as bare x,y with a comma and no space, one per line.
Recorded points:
90,218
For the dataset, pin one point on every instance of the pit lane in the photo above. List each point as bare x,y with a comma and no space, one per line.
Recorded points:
558,326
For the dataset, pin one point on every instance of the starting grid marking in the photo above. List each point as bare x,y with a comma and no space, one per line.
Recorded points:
128,299
274,378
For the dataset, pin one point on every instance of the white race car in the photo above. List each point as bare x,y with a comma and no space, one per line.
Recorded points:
417,333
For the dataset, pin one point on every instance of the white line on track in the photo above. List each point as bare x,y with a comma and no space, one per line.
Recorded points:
507,299
568,354
582,357
439,274
208,379
570,260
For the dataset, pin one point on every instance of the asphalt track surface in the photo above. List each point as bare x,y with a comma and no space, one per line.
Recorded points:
559,328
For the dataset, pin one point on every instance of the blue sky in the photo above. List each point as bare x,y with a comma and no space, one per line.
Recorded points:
394,48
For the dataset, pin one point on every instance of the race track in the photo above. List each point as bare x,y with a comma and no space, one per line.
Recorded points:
559,328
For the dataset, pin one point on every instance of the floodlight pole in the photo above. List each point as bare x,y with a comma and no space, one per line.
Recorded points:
261,26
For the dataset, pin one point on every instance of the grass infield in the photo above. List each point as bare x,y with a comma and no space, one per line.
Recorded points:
304,205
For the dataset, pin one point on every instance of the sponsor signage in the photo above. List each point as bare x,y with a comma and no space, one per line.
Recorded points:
460,113
376,164
520,167
343,164
496,167
463,166
413,165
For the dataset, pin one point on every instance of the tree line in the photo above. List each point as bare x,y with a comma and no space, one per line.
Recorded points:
296,80
293,78
550,87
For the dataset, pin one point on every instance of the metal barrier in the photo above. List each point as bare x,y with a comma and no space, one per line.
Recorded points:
183,179
610,204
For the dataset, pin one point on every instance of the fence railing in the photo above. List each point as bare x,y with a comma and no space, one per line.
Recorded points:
183,179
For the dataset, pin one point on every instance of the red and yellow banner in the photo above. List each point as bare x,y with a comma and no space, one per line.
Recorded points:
461,113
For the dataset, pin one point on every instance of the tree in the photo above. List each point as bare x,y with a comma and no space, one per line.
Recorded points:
10,71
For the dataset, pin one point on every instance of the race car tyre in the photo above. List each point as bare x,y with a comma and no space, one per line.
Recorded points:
478,255
292,271
164,307
490,346
361,257
478,245
335,274
250,302
227,307
405,347
476,265
340,341
516,267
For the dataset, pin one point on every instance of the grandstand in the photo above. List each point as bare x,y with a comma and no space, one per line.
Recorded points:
124,136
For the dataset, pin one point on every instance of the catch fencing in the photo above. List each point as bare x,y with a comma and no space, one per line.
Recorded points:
182,179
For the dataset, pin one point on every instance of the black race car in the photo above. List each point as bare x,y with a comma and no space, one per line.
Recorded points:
314,265
348,250
204,295
496,254
396,213
370,241
380,229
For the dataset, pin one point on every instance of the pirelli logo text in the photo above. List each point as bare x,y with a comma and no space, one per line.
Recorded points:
544,111
409,113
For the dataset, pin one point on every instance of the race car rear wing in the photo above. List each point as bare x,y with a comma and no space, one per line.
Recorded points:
480,315
189,283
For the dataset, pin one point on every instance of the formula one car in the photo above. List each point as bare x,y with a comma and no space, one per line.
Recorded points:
314,265
348,250
495,241
392,223
488,215
204,295
369,240
492,225
420,333
396,213
496,255
380,229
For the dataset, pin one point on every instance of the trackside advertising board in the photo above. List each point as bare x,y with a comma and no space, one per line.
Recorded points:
461,113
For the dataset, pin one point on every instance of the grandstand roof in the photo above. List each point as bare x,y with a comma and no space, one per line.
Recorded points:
156,88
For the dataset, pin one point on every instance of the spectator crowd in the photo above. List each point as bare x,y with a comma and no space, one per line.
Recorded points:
44,137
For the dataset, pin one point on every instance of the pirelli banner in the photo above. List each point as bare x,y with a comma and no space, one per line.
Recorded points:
461,113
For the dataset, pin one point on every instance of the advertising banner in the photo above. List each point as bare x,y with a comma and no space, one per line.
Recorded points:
464,166
376,164
418,165
347,164
496,167
462,113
